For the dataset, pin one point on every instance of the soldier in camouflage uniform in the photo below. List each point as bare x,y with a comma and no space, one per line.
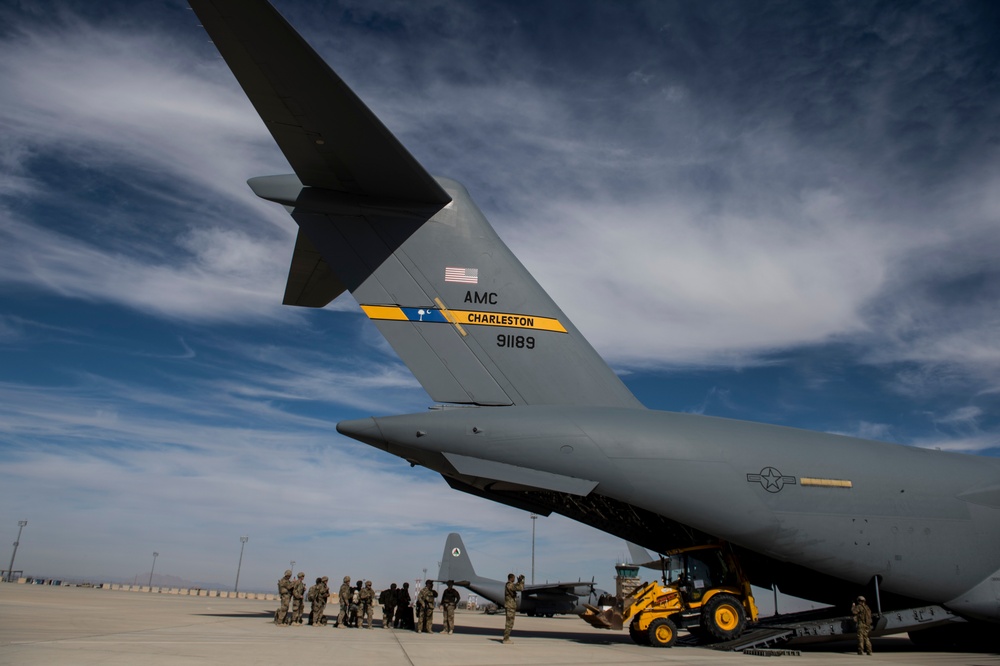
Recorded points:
510,591
311,598
425,608
354,615
298,598
324,598
285,592
366,608
344,599
863,618
449,602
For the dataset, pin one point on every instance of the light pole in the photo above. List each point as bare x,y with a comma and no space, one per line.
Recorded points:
534,517
10,569
291,565
243,543
155,555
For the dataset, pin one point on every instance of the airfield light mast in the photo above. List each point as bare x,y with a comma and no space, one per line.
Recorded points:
10,569
155,555
534,518
243,543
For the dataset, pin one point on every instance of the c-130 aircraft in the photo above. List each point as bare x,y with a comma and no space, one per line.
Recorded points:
545,599
529,414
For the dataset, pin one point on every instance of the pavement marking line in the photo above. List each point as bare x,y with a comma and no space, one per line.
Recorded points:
400,644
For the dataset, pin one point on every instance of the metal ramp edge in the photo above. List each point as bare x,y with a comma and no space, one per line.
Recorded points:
759,637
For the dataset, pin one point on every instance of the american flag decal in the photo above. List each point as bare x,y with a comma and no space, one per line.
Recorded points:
466,275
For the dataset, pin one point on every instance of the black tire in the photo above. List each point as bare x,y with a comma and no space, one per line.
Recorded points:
638,636
662,632
723,617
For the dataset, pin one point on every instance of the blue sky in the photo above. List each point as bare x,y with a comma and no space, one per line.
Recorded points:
781,212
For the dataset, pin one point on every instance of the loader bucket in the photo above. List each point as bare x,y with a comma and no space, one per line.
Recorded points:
609,618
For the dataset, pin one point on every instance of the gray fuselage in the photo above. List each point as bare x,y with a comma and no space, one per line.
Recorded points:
925,522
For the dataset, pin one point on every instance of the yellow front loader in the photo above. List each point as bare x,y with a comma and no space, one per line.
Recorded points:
704,591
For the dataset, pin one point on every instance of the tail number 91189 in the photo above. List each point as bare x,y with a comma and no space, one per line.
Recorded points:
516,341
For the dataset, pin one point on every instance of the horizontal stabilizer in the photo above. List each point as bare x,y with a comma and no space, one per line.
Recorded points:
488,469
328,135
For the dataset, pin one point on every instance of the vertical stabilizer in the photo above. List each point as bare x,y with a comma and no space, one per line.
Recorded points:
417,254
455,562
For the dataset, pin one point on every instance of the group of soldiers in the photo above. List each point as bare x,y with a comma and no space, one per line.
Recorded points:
357,604
292,592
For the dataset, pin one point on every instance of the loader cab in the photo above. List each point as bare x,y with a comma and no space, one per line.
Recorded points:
695,570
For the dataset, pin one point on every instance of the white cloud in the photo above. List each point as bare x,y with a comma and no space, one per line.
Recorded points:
686,286
134,109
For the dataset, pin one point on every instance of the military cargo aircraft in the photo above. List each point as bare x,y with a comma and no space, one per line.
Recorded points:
530,415
545,599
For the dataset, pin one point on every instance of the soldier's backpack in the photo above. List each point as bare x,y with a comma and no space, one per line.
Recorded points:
383,597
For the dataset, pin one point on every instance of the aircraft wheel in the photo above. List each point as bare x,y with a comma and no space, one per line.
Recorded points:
723,617
638,636
662,632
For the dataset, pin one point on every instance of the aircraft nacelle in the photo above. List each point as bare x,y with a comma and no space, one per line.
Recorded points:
848,508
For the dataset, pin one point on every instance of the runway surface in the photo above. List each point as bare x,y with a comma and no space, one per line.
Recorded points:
69,625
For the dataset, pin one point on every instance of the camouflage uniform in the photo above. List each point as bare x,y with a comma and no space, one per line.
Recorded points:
298,598
425,608
404,614
323,598
388,601
863,618
449,601
366,604
285,592
311,598
510,591
354,614
344,599
317,596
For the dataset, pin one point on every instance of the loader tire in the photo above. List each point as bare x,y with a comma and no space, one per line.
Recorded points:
662,632
723,617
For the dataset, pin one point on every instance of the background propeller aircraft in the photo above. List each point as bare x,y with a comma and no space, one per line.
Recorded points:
542,599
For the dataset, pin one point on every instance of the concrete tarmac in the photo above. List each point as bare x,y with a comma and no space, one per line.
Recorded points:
79,626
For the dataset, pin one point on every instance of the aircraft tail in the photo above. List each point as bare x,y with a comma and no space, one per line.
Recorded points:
455,562
420,258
